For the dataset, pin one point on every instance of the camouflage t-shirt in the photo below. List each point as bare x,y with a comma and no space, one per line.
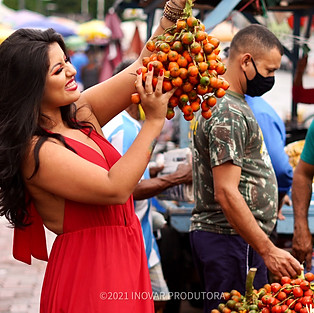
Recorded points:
232,134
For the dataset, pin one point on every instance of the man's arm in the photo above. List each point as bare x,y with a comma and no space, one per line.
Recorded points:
301,197
226,182
148,188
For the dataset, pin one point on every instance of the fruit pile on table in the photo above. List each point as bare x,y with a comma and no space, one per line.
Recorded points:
288,296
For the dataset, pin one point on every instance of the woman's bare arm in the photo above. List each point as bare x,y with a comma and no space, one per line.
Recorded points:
112,96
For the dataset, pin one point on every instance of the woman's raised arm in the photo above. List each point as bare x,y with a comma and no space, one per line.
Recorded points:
69,176
112,96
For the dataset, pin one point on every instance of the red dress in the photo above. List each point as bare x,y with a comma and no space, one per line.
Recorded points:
99,263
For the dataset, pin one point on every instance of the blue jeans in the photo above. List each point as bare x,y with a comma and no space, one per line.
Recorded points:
223,262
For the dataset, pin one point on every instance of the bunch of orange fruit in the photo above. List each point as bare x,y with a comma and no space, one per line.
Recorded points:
192,65
287,296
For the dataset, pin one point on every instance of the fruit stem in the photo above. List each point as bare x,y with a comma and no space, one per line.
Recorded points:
302,275
294,301
283,301
249,284
188,8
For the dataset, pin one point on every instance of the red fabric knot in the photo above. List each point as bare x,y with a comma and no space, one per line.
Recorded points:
31,240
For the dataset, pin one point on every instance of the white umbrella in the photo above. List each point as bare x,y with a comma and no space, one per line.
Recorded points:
5,12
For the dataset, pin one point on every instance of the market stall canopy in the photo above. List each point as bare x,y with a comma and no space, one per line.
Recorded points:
5,32
76,43
94,31
64,21
23,16
46,23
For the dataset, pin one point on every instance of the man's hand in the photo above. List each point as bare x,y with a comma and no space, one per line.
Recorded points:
281,263
183,174
154,170
226,181
280,216
284,201
148,188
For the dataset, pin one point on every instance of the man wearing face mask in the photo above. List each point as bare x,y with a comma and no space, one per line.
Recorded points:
235,184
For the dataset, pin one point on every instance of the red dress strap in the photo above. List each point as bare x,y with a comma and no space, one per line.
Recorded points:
31,240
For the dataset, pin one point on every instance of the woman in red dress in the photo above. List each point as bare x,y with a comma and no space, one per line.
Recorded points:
57,170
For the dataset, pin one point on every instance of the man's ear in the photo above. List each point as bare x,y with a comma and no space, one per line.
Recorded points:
246,59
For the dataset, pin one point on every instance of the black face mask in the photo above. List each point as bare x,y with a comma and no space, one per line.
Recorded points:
259,84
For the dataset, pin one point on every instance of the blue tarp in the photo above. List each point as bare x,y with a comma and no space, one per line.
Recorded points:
220,13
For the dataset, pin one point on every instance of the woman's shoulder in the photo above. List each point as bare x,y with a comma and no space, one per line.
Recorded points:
85,114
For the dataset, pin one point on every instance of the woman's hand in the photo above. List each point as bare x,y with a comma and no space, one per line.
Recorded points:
154,102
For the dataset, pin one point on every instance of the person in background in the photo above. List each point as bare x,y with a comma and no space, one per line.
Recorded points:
236,195
57,170
91,71
121,131
274,135
78,60
302,245
299,93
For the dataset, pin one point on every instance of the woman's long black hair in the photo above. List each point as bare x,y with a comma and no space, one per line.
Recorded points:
24,65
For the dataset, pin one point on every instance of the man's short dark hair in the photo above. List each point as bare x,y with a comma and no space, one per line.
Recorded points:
255,39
